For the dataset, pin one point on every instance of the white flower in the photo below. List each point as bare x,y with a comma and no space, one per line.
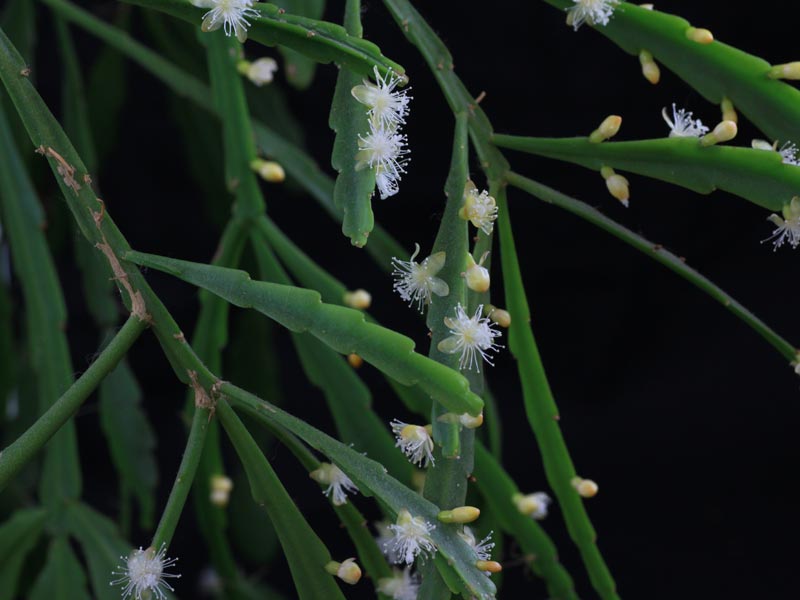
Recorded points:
383,149
415,441
788,153
479,208
482,549
533,505
593,12
788,150
383,538
143,574
471,336
788,227
682,125
262,71
416,282
411,537
337,482
386,105
402,585
230,14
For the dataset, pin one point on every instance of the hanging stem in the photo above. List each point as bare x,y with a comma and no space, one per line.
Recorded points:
13,458
184,478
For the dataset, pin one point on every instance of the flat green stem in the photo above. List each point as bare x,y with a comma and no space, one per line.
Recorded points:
542,412
655,251
15,456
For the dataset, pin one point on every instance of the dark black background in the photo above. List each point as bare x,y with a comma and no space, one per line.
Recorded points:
683,415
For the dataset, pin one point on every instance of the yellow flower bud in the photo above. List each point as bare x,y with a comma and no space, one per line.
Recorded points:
786,71
650,68
608,129
498,315
462,514
476,275
348,571
617,185
221,487
268,170
359,299
700,36
723,132
586,488
489,566
470,422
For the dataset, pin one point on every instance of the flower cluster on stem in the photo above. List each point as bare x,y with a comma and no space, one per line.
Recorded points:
384,147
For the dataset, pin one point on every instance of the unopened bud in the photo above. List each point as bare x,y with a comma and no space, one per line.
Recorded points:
348,571
728,112
470,422
764,145
462,514
260,71
586,488
355,360
786,71
268,170
700,36
617,185
498,315
608,129
322,474
360,299
465,420
221,487
490,566
723,132
476,275
650,68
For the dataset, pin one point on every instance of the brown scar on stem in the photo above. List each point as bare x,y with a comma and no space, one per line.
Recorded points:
216,388
26,72
66,170
201,397
138,306
180,337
